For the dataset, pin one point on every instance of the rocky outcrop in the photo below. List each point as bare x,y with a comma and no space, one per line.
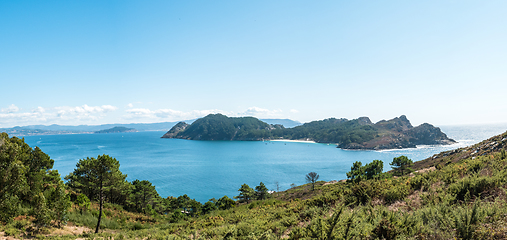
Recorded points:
398,124
427,134
399,133
179,127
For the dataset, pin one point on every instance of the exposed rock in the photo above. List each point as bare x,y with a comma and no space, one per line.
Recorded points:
175,130
399,133
364,121
398,124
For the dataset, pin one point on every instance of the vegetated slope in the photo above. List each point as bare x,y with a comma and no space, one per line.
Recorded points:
220,127
462,200
457,200
484,148
358,133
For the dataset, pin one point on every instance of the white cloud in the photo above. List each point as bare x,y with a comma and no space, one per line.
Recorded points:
85,114
59,115
11,109
175,115
130,105
85,109
168,114
261,112
294,111
12,118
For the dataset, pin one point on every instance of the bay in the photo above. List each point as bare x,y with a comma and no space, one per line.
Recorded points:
212,169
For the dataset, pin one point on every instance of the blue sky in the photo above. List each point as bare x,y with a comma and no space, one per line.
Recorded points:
94,62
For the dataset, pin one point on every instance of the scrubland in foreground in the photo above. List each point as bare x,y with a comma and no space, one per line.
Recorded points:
464,198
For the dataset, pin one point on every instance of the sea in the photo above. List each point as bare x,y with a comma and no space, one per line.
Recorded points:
212,169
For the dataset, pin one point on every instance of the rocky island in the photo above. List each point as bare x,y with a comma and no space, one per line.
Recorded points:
358,133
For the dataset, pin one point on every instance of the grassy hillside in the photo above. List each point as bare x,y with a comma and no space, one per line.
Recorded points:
462,196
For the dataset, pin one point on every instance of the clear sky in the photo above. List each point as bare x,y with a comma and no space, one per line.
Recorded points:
95,62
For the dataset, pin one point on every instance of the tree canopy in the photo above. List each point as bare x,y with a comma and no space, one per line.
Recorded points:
312,177
246,193
372,170
401,165
261,191
26,179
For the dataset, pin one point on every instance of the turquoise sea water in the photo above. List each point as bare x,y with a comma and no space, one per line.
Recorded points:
207,169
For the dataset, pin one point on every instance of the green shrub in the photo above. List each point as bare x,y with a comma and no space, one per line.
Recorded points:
11,231
137,226
465,220
289,221
385,229
396,193
22,224
473,186
420,181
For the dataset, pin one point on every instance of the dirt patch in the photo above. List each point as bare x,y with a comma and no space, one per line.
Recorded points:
398,205
425,170
414,200
70,230
3,237
330,182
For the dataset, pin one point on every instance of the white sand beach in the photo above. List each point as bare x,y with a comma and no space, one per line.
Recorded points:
287,140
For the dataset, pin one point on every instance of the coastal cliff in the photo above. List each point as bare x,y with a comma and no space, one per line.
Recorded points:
358,133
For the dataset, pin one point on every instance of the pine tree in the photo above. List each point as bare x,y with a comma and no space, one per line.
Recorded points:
401,165
312,177
261,191
246,193
94,177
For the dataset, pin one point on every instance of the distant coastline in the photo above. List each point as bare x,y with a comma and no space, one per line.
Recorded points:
294,141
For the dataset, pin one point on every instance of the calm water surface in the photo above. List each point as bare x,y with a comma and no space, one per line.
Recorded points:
207,169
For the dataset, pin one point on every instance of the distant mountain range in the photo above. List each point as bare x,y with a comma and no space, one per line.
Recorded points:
65,129
358,133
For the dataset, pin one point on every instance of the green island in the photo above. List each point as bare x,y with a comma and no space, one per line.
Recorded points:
359,133
457,194
117,130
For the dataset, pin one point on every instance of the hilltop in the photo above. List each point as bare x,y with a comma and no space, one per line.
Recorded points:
221,127
358,133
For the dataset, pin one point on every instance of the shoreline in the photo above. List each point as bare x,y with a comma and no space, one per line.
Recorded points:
288,140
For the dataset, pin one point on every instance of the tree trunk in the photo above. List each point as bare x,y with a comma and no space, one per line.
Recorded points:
101,200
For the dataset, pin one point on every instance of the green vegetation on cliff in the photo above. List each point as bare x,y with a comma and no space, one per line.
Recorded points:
359,133
220,127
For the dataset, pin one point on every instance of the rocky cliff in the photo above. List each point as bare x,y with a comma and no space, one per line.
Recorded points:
181,126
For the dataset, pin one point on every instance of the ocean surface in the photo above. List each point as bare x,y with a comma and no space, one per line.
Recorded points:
212,169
